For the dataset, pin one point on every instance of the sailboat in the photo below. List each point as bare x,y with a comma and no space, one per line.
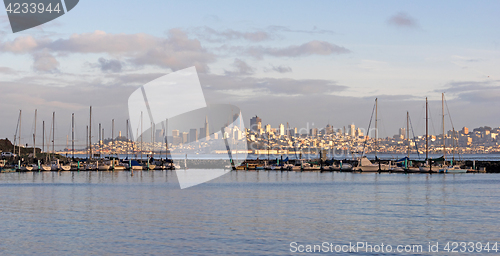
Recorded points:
364,164
448,168
427,168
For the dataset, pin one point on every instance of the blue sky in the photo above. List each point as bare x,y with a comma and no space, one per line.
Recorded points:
286,61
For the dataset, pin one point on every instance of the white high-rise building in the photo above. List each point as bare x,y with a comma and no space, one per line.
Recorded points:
282,130
352,130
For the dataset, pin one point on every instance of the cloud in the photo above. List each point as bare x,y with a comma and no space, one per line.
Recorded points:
310,48
109,65
474,91
315,30
176,51
44,61
213,35
402,20
20,45
7,70
252,88
279,69
241,68
387,97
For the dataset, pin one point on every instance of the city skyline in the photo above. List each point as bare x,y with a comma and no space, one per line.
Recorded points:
326,68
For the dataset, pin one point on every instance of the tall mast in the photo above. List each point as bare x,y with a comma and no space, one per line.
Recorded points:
73,135
444,136
34,139
408,132
165,133
112,135
141,135
127,139
90,132
100,140
19,143
152,143
426,131
453,144
43,136
87,142
376,127
53,131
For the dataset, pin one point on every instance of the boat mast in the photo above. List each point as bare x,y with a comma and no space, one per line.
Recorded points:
376,127
127,139
141,135
53,131
90,132
166,145
73,135
34,139
100,140
19,142
43,136
426,131
112,135
444,136
408,132
87,143
152,143
453,144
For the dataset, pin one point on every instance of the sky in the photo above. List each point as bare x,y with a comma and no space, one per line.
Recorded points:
308,63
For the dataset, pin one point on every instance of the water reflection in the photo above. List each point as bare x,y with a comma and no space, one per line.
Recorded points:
249,212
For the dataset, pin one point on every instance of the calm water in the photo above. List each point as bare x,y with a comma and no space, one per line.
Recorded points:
243,213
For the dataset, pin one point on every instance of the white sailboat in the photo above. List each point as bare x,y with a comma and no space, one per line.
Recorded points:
364,164
448,168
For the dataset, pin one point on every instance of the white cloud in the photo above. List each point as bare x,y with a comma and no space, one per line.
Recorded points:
44,61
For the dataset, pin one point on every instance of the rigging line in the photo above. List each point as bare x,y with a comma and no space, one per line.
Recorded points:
414,138
449,115
17,128
432,123
368,131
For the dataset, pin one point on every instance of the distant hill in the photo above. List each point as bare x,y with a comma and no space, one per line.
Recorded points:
6,146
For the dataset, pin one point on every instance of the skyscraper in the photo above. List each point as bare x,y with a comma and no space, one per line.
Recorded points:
313,132
352,130
402,133
255,123
175,133
207,131
282,130
193,135
268,128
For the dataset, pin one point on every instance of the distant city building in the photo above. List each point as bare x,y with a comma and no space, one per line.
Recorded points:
255,123
175,133
193,135
185,137
313,132
282,130
268,128
207,128
352,130
359,133
402,133
329,129
465,130
159,135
